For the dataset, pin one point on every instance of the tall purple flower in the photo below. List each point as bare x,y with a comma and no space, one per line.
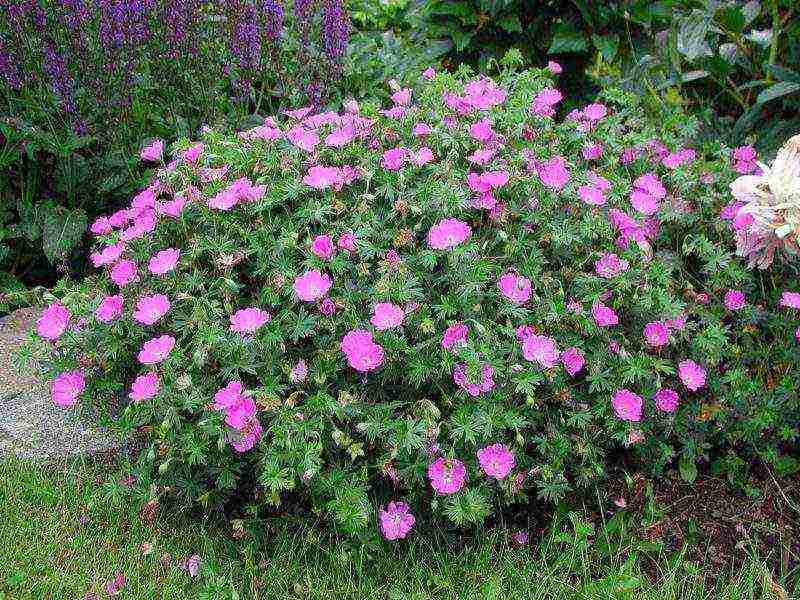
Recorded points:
273,19
9,69
335,29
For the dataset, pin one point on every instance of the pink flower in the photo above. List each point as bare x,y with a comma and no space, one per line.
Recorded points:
482,130
114,586
644,202
692,375
516,288
321,178
145,387
544,102
239,409
156,350
592,195
172,208
347,241
448,233
656,334
386,316
402,97
53,322
327,307
101,226
107,255
150,309
248,320
423,156
303,138
554,173
110,309
797,334
650,183
523,332
421,129
790,300
429,73
153,152
496,460
735,300
191,565
474,388
339,138
610,265
299,372
322,247
455,335
392,257
394,159
164,261
191,155
627,405
540,349
124,272
554,67
363,354
593,152
245,439
485,182
447,476
603,315
312,285
67,387
396,521
666,400
573,360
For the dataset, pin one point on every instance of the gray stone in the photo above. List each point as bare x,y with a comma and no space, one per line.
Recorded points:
31,425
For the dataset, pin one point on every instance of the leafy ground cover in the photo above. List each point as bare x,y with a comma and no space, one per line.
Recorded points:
63,536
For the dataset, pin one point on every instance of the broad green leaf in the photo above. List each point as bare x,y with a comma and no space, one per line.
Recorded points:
782,88
607,45
567,40
688,469
692,30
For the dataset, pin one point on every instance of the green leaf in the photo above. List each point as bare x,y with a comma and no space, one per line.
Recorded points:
782,88
62,230
567,40
607,45
783,74
687,469
511,24
692,30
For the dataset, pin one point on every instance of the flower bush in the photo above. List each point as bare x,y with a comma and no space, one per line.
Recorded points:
440,306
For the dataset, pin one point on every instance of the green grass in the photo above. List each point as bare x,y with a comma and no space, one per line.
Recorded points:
57,540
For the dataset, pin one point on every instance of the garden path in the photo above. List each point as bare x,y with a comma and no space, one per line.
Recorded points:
31,426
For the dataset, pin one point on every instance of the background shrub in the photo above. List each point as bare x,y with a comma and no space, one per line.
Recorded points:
456,302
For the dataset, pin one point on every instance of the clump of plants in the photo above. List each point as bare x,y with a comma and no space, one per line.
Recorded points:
434,308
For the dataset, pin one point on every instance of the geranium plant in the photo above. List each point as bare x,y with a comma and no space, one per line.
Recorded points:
436,307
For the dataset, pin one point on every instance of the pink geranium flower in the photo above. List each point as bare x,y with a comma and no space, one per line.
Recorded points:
429,73
610,265
248,320
448,233
327,307
299,372
362,353
554,67
387,316
592,195
790,300
666,400
312,285
692,375
545,101
455,335
515,287
482,130
145,387
191,155
110,309
153,152
347,241
496,460
67,387
554,173
396,521
303,138
395,158
156,350
656,334
164,261
172,208
150,309
573,360
101,226
245,439
322,247
447,476
107,255
320,177
53,322
540,349
604,316
735,300
421,130
124,273
478,387
627,405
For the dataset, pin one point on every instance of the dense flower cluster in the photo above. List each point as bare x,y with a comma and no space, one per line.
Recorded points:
444,302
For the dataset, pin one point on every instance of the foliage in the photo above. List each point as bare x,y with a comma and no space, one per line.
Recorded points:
474,308
83,83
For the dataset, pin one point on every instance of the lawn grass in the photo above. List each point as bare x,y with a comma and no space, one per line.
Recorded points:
58,541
